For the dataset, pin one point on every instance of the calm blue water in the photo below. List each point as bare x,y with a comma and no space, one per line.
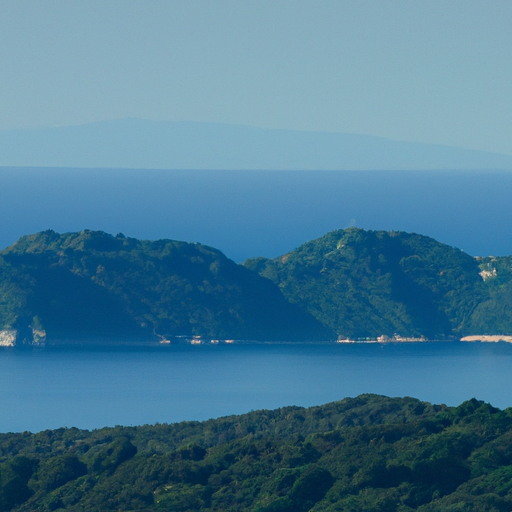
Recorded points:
260,213
91,388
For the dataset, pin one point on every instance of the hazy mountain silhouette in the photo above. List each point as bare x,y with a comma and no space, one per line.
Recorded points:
138,143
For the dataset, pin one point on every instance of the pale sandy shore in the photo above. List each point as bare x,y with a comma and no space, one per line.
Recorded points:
488,338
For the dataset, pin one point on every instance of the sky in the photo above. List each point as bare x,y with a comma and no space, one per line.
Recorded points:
434,72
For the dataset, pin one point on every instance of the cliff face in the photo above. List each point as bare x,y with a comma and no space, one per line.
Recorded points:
13,338
8,337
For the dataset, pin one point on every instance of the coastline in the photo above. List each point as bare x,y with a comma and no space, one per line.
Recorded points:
10,338
488,338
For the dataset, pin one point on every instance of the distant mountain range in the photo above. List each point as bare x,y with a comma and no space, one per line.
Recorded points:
144,144
348,283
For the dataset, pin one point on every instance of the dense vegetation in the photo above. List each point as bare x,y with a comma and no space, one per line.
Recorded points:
494,313
93,284
367,283
370,453
351,283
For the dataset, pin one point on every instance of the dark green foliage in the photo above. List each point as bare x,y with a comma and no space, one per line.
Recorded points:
494,313
352,282
93,285
59,470
367,283
310,487
116,452
14,477
369,453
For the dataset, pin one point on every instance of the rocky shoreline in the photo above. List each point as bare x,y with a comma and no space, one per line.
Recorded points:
38,338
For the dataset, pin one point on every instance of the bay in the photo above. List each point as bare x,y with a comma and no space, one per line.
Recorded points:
96,387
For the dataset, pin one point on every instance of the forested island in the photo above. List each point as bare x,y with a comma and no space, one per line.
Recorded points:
369,453
94,287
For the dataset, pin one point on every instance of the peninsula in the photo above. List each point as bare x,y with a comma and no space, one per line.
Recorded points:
352,284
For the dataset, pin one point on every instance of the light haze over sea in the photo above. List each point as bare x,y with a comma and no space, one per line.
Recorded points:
260,213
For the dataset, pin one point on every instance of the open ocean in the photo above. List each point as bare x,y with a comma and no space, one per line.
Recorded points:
260,213
95,387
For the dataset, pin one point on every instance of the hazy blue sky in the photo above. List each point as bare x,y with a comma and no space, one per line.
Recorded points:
430,71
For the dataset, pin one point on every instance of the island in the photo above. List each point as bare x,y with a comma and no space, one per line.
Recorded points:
348,285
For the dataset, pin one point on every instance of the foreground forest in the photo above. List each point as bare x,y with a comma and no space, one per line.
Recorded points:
349,283
369,453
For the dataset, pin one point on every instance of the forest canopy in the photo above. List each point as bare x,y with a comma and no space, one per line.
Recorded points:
369,453
349,283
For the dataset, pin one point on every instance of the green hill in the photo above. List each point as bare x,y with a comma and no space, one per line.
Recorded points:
93,285
368,283
493,314
353,283
366,454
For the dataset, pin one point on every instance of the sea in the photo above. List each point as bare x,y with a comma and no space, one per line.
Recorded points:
94,387
260,213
